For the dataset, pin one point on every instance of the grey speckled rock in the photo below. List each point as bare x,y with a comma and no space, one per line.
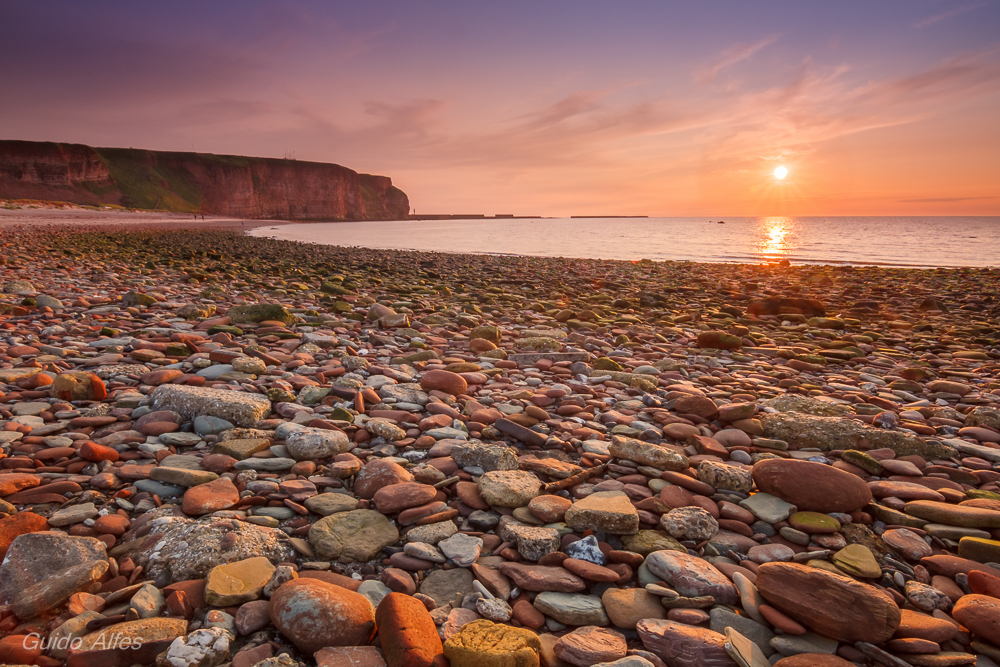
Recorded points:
489,457
184,549
572,608
33,557
829,433
238,407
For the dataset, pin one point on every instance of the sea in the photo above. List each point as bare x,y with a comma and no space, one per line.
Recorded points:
914,242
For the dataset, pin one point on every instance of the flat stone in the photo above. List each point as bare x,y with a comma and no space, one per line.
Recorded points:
444,586
235,583
239,407
691,576
833,605
572,609
509,488
326,504
607,511
768,508
680,644
589,645
812,487
182,476
353,536
644,453
625,607
241,449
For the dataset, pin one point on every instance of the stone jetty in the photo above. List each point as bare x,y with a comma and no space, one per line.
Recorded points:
223,450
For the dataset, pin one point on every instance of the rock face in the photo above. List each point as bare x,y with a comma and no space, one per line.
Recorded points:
812,487
230,185
314,614
829,604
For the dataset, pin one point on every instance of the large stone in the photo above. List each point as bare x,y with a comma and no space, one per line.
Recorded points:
509,488
681,644
379,473
589,645
979,613
183,549
543,578
398,497
572,608
487,644
827,433
627,606
313,614
444,586
953,515
691,576
488,456
406,632
34,557
352,537
310,444
55,589
239,582
832,605
648,454
239,407
607,511
813,487
725,476
211,497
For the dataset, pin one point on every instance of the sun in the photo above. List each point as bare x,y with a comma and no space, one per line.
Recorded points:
780,173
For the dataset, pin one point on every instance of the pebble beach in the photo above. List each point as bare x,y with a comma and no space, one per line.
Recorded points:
219,449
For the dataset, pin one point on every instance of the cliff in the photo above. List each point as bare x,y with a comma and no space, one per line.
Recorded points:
230,185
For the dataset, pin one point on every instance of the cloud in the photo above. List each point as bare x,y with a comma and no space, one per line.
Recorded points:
731,56
941,200
931,20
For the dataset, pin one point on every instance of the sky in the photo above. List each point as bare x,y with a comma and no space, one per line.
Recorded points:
542,108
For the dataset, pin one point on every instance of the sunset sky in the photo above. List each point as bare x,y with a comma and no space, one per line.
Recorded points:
542,108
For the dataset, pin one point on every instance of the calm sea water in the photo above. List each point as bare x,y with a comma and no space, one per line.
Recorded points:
902,241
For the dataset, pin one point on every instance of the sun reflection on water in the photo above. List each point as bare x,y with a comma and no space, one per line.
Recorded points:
773,240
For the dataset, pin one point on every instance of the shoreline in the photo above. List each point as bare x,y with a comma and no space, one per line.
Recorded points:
408,429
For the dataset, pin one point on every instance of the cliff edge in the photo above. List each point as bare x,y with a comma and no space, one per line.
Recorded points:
230,185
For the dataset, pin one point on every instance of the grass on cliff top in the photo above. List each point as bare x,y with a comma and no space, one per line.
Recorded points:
145,182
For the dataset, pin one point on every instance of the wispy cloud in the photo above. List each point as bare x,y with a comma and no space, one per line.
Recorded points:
731,56
931,20
941,200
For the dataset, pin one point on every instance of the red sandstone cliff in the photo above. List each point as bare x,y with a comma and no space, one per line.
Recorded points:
230,185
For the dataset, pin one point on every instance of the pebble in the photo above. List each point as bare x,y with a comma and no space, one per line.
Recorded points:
372,429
